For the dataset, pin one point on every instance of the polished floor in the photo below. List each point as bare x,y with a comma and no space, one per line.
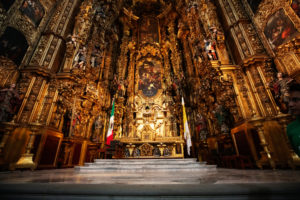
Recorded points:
217,176
216,184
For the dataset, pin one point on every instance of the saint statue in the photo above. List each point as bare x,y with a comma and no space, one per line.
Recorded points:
121,88
281,92
66,123
201,126
224,118
76,123
97,129
80,59
210,49
72,40
9,103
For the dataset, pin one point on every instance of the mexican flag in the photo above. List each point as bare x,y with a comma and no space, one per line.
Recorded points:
187,134
109,135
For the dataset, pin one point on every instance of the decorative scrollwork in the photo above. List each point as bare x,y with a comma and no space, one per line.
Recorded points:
146,149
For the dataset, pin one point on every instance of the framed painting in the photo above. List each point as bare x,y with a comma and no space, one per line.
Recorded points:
279,29
149,78
296,6
34,10
149,30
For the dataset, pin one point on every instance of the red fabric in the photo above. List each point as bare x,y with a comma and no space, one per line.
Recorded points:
109,138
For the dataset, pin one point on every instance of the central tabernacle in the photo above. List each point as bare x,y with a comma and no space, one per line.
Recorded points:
150,128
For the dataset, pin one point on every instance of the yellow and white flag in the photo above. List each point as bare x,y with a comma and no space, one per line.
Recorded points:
187,135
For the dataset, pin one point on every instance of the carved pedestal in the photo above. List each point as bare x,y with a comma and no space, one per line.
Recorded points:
26,159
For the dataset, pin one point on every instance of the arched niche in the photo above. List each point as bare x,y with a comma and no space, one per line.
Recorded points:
6,4
254,4
13,45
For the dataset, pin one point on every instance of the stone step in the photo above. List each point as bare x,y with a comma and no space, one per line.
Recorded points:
112,169
145,163
172,165
147,160
148,166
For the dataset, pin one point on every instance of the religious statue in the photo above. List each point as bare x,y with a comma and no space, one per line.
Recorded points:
136,102
76,123
214,32
136,152
80,59
156,152
121,89
9,103
114,85
281,92
97,129
72,40
66,123
201,126
210,49
96,55
177,84
223,118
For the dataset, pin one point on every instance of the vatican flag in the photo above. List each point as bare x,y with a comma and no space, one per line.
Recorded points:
109,135
187,135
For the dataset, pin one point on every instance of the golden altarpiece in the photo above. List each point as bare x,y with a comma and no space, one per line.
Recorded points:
63,63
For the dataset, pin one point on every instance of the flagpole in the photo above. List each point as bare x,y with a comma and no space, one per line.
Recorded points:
187,134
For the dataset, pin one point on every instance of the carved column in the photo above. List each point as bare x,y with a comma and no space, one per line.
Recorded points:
123,59
27,82
108,59
50,46
8,128
250,54
131,74
293,158
45,59
187,55
266,153
3,17
26,159
244,96
48,104
175,56
8,72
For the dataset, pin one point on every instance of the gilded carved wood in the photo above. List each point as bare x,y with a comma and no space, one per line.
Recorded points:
147,56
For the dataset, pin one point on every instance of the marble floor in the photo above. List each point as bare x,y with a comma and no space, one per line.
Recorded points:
217,176
216,184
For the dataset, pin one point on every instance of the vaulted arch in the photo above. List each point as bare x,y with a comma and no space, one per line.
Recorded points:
6,4
13,45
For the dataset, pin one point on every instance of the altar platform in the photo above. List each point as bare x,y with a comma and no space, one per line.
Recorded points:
211,183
